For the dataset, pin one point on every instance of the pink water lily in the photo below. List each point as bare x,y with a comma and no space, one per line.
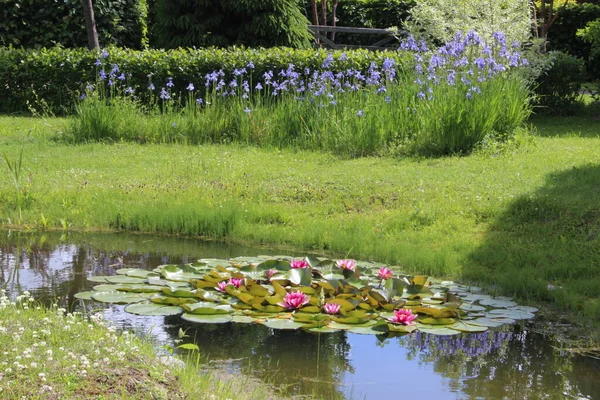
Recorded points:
221,286
237,282
299,264
403,316
294,300
384,273
270,273
332,308
346,264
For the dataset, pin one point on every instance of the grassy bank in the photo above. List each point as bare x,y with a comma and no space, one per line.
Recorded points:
524,219
47,354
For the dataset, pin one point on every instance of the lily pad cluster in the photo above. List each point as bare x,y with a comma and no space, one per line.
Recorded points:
314,294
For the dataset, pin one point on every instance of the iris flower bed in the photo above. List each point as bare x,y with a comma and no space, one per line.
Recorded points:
314,294
448,101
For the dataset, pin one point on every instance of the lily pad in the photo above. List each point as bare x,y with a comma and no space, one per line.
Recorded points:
286,324
124,279
85,295
120,297
153,309
509,313
497,303
243,319
440,332
464,327
208,319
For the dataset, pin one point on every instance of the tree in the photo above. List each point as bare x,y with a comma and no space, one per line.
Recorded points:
544,15
440,20
90,22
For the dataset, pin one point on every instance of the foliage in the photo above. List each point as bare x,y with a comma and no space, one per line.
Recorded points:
466,95
58,76
563,35
50,353
36,24
440,20
367,14
315,294
591,34
525,209
265,23
558,87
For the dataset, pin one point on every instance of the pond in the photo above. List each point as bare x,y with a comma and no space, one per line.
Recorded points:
508,362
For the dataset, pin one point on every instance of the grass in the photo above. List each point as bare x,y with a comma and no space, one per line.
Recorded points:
522,219
49,354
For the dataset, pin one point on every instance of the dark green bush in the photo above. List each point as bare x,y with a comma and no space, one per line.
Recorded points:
558,87
47,23
563,34
58,76
203,23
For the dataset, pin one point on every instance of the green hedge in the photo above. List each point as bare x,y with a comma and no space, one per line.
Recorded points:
58,76
47,23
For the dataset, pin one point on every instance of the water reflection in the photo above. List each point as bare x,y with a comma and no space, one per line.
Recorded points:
508,363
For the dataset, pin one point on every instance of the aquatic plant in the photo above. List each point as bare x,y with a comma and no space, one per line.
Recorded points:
314,294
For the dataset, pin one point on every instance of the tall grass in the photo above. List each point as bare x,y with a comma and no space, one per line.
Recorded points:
449,102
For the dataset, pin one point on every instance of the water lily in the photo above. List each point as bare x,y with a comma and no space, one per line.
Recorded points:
332,308
384,273
294,300
221,286
299,264
270,273
403,316
346,264
237,282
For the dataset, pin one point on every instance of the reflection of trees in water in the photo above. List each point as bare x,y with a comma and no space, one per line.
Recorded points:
305,363
505,363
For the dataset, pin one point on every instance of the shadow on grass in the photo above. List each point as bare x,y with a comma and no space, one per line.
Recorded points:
546,246
584,124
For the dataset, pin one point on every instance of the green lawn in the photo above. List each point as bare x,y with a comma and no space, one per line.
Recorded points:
518,220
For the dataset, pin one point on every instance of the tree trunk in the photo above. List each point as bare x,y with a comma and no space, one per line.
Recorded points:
90,23
333,17
315,13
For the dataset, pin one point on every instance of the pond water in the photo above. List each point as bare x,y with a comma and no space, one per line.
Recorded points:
507,363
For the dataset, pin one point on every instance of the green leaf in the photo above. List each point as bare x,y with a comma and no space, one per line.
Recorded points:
244,319
440,332
189,346
120,297
464,327
300,276
153,309
125,279
208,319
286,324
85,295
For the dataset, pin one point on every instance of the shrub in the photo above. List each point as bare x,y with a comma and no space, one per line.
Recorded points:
558,87
563,34
58,76
591,35
202,23
440,20
46,23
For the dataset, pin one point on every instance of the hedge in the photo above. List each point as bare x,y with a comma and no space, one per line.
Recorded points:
58,76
